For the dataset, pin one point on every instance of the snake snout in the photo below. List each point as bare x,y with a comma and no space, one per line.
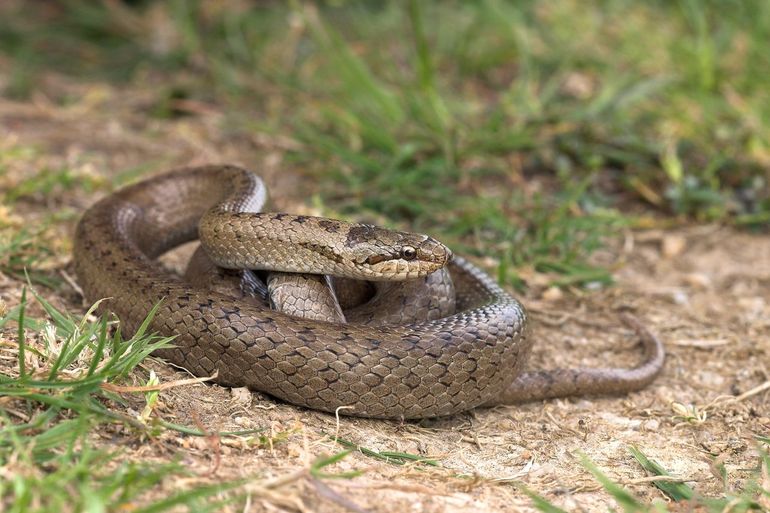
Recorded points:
433,253
449,256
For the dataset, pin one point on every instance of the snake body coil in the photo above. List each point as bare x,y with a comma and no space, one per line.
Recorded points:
424,369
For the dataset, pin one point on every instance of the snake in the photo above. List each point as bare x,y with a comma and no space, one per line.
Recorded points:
473,357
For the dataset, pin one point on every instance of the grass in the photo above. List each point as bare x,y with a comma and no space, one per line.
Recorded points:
391,457
409,124
35,246
21,250
63,390
530,133
753,498
53,401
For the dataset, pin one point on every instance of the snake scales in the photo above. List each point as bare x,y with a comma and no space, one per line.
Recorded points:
425,368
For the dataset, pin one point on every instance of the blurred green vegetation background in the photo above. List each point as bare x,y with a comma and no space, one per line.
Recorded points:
524,131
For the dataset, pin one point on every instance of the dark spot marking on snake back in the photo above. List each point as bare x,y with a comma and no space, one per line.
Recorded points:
364,233
279,216
322,250
547,377
411,339
329,225
307,335
300,219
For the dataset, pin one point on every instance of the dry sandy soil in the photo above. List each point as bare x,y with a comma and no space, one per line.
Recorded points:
703,289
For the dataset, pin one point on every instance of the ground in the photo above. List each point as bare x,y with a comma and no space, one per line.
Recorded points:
702,289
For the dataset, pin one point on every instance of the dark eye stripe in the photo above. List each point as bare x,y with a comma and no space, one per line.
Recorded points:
376,259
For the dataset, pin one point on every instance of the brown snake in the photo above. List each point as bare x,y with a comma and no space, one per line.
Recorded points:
430,368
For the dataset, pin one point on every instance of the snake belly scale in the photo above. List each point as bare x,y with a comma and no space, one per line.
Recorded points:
422,369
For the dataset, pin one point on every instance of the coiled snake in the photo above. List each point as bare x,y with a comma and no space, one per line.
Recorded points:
423,368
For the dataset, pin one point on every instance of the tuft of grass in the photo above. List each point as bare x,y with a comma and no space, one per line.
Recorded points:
63,389
48,183
750,499
32,246
675,491
53,401
753,498
59,470
22,253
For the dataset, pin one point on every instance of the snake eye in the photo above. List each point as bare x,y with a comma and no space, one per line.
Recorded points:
408,253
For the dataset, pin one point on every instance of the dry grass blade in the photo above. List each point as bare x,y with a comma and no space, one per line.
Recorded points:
122,389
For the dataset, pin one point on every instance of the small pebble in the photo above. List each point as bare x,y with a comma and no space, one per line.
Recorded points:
673,245
753,306
651,425
711,379
241,395
680,297
553,294
698,280
242,421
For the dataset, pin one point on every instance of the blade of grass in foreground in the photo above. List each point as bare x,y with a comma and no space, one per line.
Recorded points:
540,502
55,390
55,405
623,497
676,491
680,492
395,458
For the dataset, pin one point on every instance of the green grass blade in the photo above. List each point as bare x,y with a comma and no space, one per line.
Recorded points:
541,503
99,351
395,458
676,491
624,498
22,336
325,461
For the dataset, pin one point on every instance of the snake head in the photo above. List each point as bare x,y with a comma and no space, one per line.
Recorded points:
382,254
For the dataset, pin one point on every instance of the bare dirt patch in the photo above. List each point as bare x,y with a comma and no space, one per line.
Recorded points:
703,289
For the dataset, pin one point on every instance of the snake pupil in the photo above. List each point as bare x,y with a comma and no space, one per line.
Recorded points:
408,253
